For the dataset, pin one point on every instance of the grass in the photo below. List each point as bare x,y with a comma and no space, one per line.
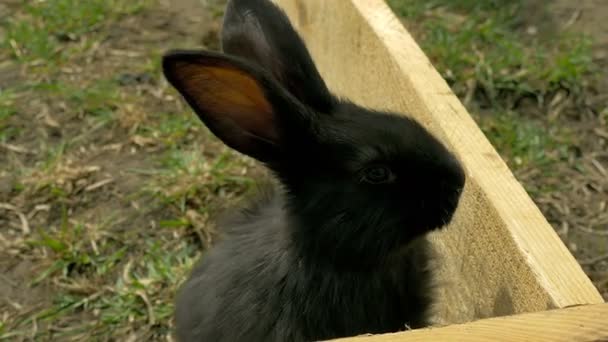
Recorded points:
7,110
98,100
118,181
113,262
486,42
40,31
169,127
483,50
526,142
536,92
186,176
134,297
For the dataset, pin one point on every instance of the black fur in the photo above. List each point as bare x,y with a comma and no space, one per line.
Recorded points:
262,34
327,253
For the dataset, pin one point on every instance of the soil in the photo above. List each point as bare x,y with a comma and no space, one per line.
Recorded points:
110,152
107,153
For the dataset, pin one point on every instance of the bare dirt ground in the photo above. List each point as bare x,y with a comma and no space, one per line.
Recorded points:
105,204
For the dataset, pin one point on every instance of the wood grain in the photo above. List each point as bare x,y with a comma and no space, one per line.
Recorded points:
499,256
575,324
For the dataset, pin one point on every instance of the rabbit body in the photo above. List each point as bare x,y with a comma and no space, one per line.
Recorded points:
337,248
255,286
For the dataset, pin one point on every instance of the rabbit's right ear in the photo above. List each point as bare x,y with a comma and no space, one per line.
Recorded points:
260,32
237,102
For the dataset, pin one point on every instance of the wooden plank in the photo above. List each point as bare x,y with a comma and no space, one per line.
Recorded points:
580,323
499,256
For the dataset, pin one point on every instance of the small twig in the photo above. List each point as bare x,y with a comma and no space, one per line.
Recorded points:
34,331
198,223
126,276
74,288
94,246
98,184
16,48
471,87
131,338
4,242
599,167
594,260
573,18
124,53
601,133
565,227
25,227
16,149
14,304
146,300
38,208
592,231
7,280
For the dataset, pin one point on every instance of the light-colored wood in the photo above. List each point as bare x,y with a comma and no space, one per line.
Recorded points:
499,256
575,324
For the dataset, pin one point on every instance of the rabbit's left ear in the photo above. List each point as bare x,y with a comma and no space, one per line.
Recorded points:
261,33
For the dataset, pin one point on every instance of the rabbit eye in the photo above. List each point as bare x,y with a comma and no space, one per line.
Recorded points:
378,175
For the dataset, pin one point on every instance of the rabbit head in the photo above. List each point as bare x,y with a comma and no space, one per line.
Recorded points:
360,183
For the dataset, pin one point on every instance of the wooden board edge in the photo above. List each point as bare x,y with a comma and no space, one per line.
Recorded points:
577,323
394,36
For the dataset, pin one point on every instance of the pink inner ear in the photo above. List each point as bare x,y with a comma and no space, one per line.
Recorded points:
222,92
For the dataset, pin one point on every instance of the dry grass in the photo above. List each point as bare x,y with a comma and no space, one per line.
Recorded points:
108,181
109,184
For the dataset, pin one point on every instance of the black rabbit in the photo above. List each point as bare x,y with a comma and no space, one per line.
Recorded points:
338,248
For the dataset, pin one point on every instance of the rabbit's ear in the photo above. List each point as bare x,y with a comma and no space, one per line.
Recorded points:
234,100
260,32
